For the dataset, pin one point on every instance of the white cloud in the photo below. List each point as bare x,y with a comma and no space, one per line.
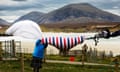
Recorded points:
18,8
7,2
117,12
9,18
17,5
115,7
11,3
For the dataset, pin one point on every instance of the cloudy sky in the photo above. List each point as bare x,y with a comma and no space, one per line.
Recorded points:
12,9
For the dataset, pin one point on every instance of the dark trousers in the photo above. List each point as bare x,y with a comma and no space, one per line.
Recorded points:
36,70
36,63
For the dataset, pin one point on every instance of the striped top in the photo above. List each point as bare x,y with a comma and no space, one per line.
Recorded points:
65,43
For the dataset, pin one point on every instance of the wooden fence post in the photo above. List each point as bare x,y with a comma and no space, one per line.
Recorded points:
116,61
83,58
84,53
21,59
44,59
0,51
22,62
13,48
117,67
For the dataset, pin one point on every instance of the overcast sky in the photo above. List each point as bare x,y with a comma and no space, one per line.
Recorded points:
12,9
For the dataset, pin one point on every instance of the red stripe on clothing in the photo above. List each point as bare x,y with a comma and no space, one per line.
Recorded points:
71,42
56,41
78,40
49,40
65,43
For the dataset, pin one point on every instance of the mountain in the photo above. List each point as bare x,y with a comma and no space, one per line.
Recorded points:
4,23
79,10
82,20
34,16
76,13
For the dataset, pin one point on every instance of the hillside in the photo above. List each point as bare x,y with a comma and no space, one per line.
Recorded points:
4,23
76,13
34,16
83,27
80,27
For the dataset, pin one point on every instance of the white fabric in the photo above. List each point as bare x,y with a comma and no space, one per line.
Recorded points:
26,29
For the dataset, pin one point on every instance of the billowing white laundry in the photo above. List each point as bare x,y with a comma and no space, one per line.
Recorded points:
26,29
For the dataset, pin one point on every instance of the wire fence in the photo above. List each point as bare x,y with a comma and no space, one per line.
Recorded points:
11,50
8,49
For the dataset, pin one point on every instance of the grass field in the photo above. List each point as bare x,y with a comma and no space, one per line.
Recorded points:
14,66
77,28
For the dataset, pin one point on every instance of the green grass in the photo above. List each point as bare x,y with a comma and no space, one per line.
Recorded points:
14,66
106,60
74,68
78,59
